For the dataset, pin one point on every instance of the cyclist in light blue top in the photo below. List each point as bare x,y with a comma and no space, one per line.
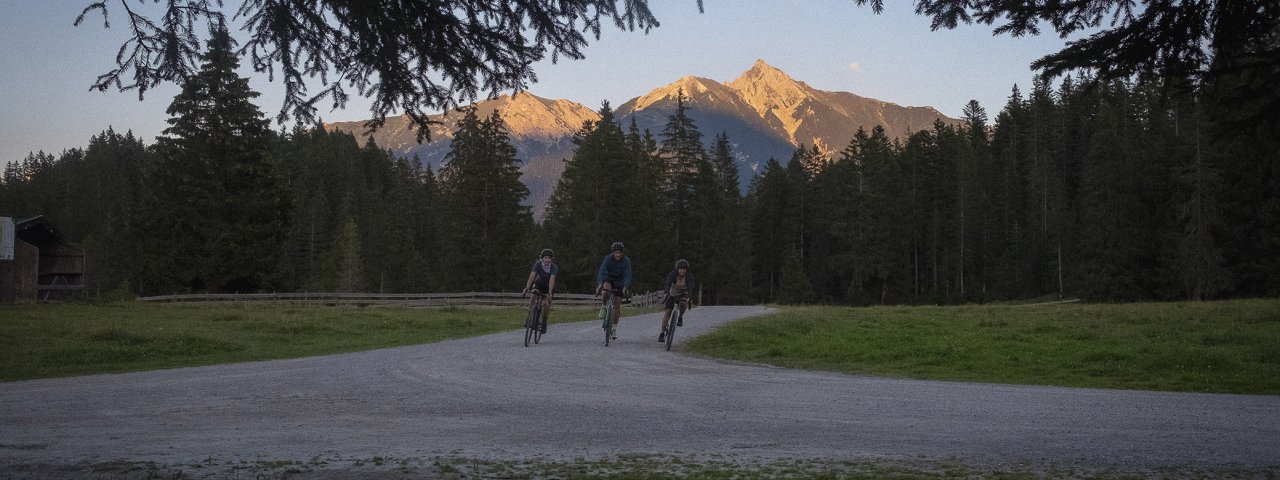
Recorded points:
615,271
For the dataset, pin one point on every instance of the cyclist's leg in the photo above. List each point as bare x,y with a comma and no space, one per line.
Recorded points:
617,307
546,312
666,313
604,288
684,307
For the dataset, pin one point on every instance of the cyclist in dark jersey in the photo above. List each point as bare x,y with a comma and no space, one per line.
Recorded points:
543,277
615,271
676,288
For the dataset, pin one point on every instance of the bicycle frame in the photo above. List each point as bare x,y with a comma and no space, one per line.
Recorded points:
677,315
533,320
610,314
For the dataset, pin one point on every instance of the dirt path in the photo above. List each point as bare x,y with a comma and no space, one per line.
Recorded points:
571,397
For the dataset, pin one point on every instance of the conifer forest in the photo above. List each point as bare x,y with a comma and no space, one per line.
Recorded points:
1121,190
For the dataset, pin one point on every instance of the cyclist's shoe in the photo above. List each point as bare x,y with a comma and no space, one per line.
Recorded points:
662,336
679,321
544,327
615,332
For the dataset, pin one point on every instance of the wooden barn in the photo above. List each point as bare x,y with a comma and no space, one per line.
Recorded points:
37,263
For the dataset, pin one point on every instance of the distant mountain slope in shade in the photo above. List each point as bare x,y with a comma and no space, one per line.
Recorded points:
765,113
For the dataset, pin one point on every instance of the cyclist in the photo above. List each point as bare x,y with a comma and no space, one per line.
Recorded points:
615,269
543,278
677,287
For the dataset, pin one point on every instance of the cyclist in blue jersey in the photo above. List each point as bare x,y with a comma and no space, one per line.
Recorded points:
615,272
543,278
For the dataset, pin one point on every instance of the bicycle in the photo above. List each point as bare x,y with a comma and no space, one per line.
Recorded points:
609,316
677,319
535,319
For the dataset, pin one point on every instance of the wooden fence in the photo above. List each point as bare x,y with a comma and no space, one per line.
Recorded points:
405,299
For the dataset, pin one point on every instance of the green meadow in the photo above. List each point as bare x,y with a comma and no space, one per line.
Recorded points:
41,341
1226,347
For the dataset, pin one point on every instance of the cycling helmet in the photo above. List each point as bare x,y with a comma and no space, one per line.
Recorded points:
682,263
546,252
617,247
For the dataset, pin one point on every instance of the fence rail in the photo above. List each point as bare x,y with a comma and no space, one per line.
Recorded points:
405,299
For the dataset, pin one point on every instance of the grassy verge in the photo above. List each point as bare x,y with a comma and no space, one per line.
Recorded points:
61,340
643,467
1230,346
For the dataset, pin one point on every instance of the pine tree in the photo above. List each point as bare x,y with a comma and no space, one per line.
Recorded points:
216,211
490,231
610,191
723,278
795,286
113,176
1046,191
768,203
837,247
684,162
978,209
1007,187
1112,240
348,264
1200,260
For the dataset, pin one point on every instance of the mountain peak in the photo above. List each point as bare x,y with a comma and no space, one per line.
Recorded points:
761,69
536,116
691,85
772,92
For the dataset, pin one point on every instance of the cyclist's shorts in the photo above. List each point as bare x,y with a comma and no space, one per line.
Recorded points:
671,301
542,288
615,285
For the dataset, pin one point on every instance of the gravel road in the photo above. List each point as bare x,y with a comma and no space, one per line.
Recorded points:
571,397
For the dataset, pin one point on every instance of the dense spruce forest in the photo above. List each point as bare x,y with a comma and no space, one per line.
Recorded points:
1125,190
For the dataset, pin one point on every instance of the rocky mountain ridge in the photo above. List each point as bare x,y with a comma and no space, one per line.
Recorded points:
764,112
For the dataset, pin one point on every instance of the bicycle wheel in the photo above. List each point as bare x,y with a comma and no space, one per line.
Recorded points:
537,329
608,319
530,325
671,332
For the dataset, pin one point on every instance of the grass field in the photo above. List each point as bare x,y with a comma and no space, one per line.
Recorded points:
41,341
1229,346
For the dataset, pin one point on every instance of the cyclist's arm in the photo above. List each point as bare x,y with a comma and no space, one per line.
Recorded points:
528,283
600,274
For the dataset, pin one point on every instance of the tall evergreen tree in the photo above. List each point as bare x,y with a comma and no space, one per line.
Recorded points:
216,211
1112,239
1007,187
978,210
113,176
1046,186
770,200
609,191
490,231
722,277
684,162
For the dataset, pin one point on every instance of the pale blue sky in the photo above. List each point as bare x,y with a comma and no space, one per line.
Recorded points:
47,65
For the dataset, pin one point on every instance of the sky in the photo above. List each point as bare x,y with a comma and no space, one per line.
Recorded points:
47,63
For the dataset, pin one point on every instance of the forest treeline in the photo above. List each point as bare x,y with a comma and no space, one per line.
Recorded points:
1124,191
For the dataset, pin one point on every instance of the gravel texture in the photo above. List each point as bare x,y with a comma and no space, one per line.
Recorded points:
572,398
